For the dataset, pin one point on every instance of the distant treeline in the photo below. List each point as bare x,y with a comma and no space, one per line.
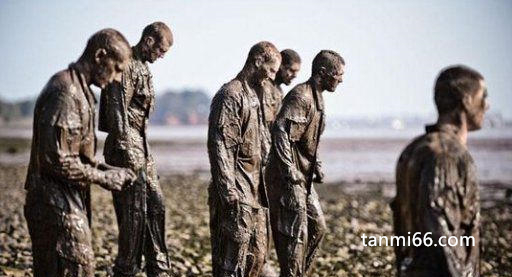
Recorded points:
184,107
10,112
191,107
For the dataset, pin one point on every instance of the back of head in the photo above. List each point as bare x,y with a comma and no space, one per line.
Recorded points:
327,59
112,41
263,51
453,84
159,31
289,57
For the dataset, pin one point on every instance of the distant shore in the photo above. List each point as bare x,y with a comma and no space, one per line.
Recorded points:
349,155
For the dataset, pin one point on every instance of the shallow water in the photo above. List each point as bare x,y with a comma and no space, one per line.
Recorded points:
347,154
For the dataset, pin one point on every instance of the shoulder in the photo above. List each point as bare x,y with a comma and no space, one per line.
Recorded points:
300,95
446,146
135,66
61,80
61,87
230,92
59,102
436,148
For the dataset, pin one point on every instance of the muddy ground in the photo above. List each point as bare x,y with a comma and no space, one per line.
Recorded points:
349,214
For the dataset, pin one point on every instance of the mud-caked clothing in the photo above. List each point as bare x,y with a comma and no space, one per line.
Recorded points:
437,195
272,98
297,220
239,232
61,169
124,114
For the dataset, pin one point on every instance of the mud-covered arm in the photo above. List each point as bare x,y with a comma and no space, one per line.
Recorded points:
319,173
448,201
118,96
61,131
288,129
266,144
278,96
223,140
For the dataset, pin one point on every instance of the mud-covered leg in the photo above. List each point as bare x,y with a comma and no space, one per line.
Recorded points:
316,229
259,243
289,228
290,253
157,259
232,227
43,234
67,268
61,245
130,224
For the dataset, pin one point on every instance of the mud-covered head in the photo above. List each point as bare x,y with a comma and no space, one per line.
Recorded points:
290,66
105,57
263,61
156,40
328,67
462,90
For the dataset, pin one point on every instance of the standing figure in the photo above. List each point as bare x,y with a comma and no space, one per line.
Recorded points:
272,95
62,164
298,224
124,113
436,185
237,195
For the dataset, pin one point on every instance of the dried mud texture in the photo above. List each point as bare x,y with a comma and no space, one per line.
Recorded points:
348,217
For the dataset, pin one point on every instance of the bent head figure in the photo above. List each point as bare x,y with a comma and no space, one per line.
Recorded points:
461,90
328,68
106,55
156,40
263,61
290,66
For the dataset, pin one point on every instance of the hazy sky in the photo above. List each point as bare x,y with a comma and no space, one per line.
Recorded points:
393,49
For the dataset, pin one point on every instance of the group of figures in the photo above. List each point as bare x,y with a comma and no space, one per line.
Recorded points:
63,167
263,150
263,157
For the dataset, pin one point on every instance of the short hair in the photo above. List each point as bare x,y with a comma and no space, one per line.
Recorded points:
289,57
262,49
328,59
114,43
452,84
157,30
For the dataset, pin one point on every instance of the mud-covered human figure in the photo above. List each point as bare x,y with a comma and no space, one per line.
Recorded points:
237,196
62,165
272,95
298,224
124,114
437,189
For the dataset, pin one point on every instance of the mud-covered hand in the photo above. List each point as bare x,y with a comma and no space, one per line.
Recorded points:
318,174
295,177
231,199
118,179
